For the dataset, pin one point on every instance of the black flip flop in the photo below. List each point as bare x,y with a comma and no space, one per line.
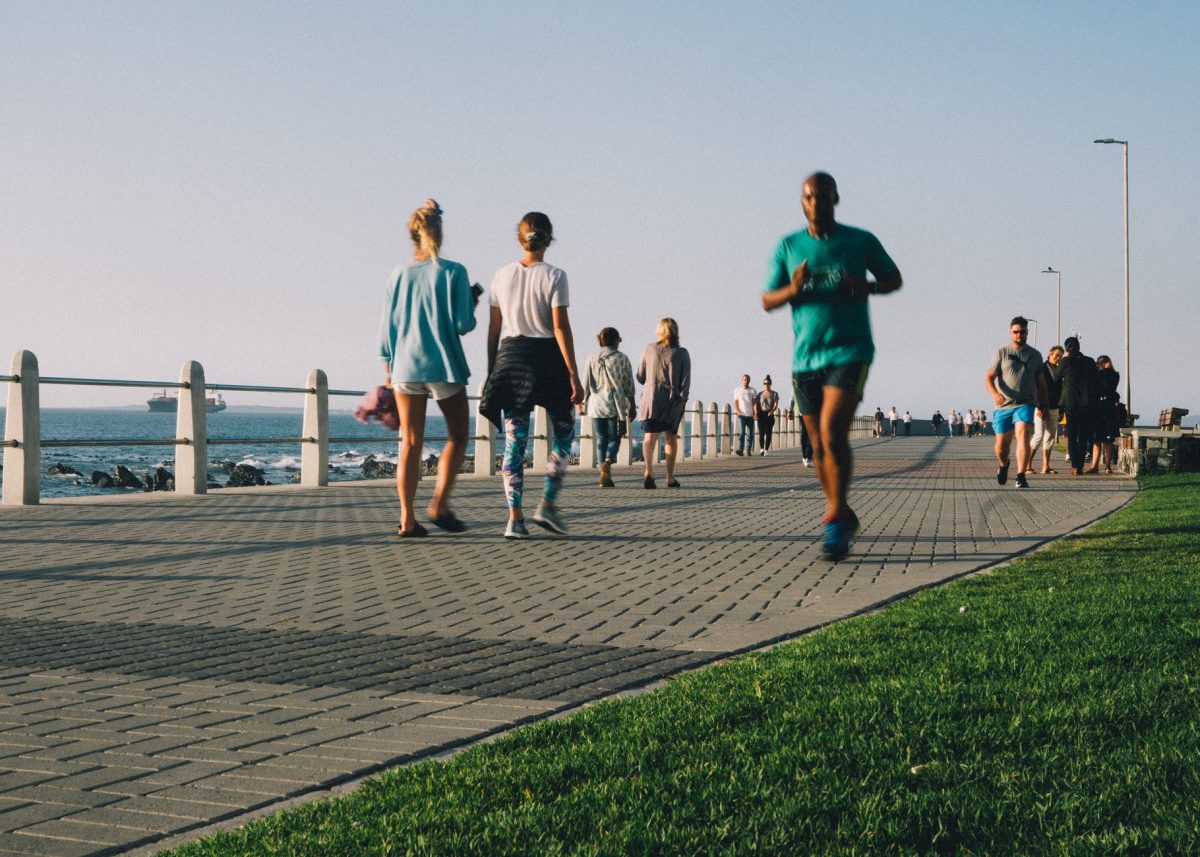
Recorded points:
415,533
448,522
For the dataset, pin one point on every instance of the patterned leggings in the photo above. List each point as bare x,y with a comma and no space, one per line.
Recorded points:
516,438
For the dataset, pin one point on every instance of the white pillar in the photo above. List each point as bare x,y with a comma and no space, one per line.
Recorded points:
191,424
697,430
314,455
485,442
587,441
727,430
625,450
23,463
710,432
539,434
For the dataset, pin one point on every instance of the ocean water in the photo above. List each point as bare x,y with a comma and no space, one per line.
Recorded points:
280,463
277,461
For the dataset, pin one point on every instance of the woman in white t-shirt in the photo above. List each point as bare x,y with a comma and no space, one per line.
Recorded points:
533,365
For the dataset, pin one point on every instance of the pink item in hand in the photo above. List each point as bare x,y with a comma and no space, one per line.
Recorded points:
379,403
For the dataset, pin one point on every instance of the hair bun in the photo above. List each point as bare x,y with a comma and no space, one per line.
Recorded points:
431,207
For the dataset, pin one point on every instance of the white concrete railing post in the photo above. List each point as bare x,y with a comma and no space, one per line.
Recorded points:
23,463
625,449
191,425
314,454
727,430
539,435
485,442
587,442
697,430
710,432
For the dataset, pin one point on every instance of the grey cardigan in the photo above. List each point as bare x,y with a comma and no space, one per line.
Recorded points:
666,373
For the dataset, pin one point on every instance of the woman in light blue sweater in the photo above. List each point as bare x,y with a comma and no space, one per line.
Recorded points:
430,305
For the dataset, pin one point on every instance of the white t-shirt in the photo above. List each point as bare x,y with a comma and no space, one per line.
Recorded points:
745,397
526,297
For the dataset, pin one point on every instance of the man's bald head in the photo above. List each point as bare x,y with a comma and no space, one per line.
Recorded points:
818,197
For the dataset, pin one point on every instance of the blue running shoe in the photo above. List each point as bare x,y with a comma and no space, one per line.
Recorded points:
837,541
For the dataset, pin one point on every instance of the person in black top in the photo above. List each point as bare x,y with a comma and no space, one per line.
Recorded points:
1045,431
1078,374
1105,424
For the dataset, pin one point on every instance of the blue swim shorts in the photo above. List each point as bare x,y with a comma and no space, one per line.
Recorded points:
1003,418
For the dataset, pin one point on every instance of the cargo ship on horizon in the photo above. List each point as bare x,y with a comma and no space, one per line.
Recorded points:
167,404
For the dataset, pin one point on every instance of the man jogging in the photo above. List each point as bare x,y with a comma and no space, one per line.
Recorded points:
821,272
1015,381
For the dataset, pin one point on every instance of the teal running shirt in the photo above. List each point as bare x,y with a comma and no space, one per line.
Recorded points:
829,329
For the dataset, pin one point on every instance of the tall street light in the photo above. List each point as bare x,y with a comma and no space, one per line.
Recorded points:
1125,144
1058,324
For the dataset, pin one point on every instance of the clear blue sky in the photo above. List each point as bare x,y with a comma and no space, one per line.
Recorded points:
229,182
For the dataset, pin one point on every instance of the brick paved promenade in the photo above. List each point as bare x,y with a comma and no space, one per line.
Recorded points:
167,663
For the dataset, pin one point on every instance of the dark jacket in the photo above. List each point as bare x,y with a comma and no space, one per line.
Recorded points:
1053,383
1078,374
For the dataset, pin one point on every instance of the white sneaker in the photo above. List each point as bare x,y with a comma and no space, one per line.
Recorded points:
807,462
515,529
762,452
547,517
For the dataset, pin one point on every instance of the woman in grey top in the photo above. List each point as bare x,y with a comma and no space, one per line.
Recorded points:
607,398
666,372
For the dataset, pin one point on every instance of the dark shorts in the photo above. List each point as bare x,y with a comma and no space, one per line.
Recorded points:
809,387
658,426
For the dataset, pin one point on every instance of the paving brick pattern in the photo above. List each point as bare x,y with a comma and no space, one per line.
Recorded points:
167,663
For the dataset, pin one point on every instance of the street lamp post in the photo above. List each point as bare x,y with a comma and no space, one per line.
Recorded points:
1125,145
1058,323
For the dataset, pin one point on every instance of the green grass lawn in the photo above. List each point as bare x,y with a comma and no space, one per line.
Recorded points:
1052,706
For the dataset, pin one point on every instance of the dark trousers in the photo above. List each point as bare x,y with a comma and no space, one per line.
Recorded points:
1079,435
766,428
806,449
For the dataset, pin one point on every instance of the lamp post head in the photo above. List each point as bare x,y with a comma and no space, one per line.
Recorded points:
1050,270
1111,140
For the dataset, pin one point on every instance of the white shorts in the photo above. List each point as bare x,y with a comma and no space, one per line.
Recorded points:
438,389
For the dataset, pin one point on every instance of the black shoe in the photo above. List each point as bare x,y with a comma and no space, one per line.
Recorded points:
417,532
648,482
448,522
1002,474
1022,482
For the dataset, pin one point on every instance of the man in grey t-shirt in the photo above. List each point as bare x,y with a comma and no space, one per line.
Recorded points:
1018,388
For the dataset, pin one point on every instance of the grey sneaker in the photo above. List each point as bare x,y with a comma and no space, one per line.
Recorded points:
515,530
547,517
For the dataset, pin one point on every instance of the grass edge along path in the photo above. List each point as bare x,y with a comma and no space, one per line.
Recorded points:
1051,706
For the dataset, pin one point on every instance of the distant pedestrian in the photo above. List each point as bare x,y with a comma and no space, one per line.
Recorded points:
820,272
666,372
907,424
766,406
1106,426
744,399
1016,385
533,365
936,421
1078,374
1045,429
430,305
877,430
608,398
893,419
969,423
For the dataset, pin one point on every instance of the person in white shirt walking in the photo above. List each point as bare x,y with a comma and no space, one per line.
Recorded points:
744,398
